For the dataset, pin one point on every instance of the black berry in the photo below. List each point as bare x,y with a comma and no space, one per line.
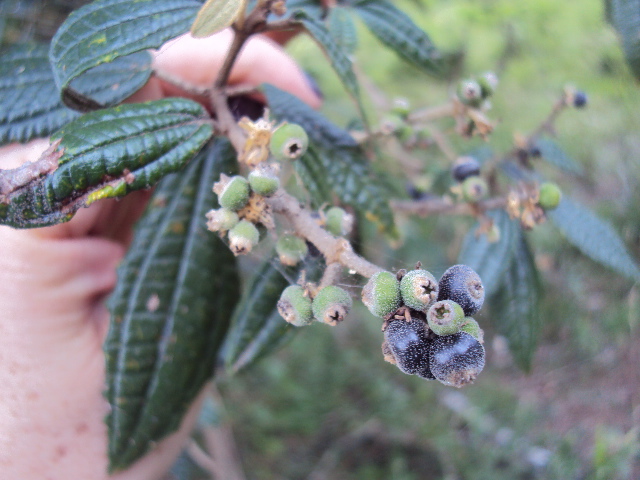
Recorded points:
579,99
463,285
465,167
457,359
409,345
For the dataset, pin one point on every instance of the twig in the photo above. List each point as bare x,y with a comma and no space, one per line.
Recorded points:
439,205
15,178
331,275
182,84
432,113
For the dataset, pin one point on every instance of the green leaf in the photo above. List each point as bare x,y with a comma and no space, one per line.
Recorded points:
216,15
313,175
105,30
555,155
29,103
336,160
109,153
594,237
396,30
515,306
339,60
342,29
490,259
170,310
625,16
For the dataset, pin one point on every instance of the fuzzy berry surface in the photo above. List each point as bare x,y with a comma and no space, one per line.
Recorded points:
456,360
463,285
409,344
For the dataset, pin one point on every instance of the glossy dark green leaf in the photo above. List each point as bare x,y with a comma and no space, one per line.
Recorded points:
625,16
515,306
105,30
556,156
110,153
30,106
342,29
491,259
396,30
169,312
594,237
340,62
337,159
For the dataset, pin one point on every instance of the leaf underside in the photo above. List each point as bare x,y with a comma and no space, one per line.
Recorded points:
216,15
110,153
555,155
30,106
170,310
594,237
105,30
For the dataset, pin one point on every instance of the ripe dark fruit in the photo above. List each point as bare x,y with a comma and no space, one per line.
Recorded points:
579,99
457,359
409,345
463,285
465,167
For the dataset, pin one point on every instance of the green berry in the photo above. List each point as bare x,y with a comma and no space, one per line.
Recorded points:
470,92
288,142
463,285
550,196
233,193
445,317
331,305
401,107
295,306
264,181
338,222
474,189
381,294
488,82
291,249
419,289
221,220
243,237
470,326
457,359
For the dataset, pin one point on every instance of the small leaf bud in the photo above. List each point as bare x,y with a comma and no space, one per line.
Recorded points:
295,306
264,181
243,237
339,222
291,249
233,193
457,359
419,289
221,220
289,142
331,305
445,317
549,196
381,294
474,189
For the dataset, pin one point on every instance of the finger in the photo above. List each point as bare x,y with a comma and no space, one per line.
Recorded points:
198,61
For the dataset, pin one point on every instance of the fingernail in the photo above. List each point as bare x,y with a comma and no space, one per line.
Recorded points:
314,85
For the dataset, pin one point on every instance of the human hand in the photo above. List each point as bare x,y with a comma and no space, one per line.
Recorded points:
53,282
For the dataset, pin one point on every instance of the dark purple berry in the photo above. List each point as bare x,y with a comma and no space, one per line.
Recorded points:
457,359
579,99
409,345
535,151
463,285
465,167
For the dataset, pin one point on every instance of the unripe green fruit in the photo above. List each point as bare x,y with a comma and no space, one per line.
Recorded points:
550,196
474,189
488,82
381,294
470,326
470,92
445,317
419,289
243,237
457,359
331,305
401,107
463,285
291,249
288,142
295,306
264,181
234,194
339,222
221,220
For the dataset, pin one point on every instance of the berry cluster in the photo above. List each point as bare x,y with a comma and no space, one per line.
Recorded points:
428,329
466,171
